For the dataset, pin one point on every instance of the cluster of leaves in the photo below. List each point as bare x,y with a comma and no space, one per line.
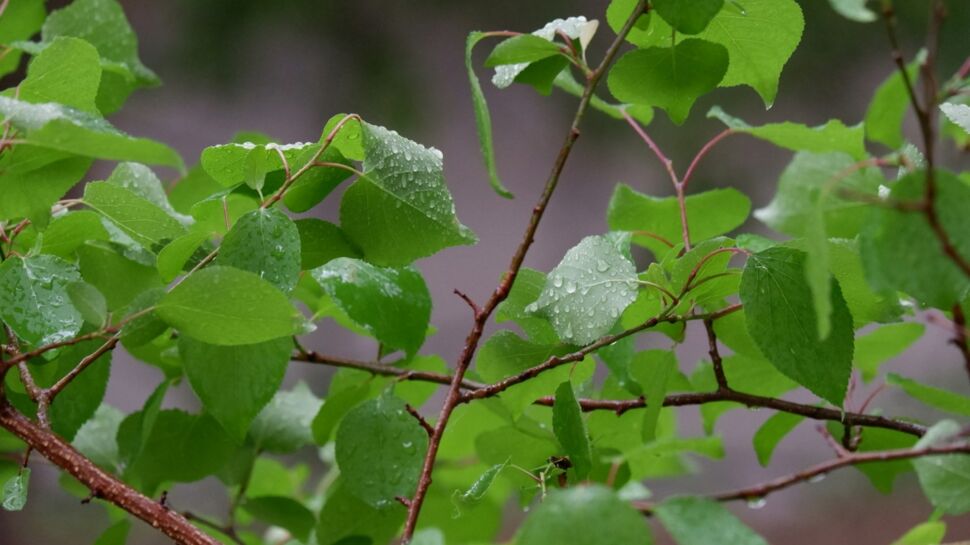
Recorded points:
210,281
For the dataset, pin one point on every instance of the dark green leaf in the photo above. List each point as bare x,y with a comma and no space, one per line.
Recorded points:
671,78
234,383
776,428
700,521
34,179
321,242
227,306
34,300
267,243
89,302
335,408
688,16
781,319
380,449
567,423
346,520
584,515
102,267
284,512
316,184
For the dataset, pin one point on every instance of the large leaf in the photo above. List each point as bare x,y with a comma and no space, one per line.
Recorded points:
700,521
68,72
400,210
584,515
228,306
589,289
265,242
901,252
380,449
709,214
393,304
234,383
781,319
34,300
671,78
945,479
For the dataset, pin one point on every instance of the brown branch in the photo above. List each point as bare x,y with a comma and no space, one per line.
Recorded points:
417,416
102,484
381,369
759,491
26,356
501,292
51,393
719,376
960,335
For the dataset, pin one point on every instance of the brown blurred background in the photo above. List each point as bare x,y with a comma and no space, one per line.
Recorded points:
284,67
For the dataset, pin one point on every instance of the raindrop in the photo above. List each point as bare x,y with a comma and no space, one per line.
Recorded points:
757,503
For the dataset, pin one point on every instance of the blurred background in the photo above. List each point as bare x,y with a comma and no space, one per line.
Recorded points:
285,67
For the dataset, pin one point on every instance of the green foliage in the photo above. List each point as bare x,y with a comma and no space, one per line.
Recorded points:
217,277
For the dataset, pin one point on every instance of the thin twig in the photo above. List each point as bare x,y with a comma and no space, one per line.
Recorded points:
719,376
421,420
960,335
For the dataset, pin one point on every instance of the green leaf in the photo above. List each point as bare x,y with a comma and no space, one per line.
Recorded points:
346,520
20,21
136,216
671,78
854,10
165,456
227,306
584,515
56,127
68,72
526,289
176,255
709,214
89,302
249,162
524,48
116,534
760,36
34,300
945,479
476,492
652,369
380,450
400,210
234,383
65,233
577,28
883,344
882,475
34,179
267,243
644,33
218,213
888,107
900,251
283,426
136,429
335,408
483,120
284,512
700,521
321,242
927,533
781,319
102,267
567,423
393,304
316,184
142,181
959,114
937,398
688,16
147,326
15,490
831,137
96,438
589,289
776,428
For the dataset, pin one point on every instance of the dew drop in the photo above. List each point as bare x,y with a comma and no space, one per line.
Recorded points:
757,503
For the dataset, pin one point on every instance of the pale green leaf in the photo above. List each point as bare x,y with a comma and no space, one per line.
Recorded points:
776,428
483,120
283,426
833,136
937,398
701,521
883,344
584,515
888,107
945,479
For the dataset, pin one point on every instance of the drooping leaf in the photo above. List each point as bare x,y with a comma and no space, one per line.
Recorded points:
901,252
400,210
577,28
589,289
709,214
671,78
380,449
776,428
584,515
234,383
688,16
833,136
945,479
570,429
228,306
34,298
394,304
781,319
483,120
700,521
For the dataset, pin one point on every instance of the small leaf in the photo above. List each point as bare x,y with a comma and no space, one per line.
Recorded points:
393,304
589,289
656,77
267,243
927,533
526,289
781,319
483,120
700,521
937,398
400,210
584,515
89,302
380,450
959,114
15,490
227,306
234,383
854,10
776,428
577,28
524,48
480,487
945,479
567,423
688,16
652,369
